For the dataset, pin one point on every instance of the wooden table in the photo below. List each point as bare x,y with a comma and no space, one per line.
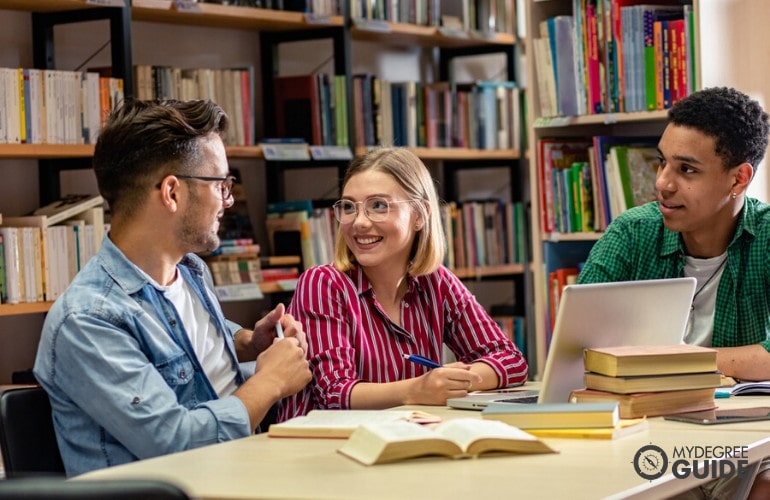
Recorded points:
262,467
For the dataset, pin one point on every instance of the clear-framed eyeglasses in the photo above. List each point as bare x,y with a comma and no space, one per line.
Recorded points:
376,209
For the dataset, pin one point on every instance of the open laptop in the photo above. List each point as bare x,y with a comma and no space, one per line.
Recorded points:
650,312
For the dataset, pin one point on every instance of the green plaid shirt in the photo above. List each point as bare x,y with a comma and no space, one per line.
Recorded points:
637,246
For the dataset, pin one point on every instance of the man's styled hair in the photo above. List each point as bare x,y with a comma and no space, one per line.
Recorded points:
737,123
143,141
414,178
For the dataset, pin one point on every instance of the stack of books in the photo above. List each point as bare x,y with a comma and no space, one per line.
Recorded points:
566,420
651,380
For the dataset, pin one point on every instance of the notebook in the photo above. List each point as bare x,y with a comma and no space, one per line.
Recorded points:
650,312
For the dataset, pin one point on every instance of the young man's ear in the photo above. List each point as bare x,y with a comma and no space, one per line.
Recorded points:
743,176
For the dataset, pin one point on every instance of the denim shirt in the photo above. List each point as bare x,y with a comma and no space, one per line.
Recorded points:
121,374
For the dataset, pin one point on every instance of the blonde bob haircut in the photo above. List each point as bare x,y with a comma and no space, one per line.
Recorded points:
415,179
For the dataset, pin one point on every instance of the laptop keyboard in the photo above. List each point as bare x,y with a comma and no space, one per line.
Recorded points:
523,400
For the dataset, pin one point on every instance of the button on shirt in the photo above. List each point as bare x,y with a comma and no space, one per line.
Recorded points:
637,246
351,339
123,380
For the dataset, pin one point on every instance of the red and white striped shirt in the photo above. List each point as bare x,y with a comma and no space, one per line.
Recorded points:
351,339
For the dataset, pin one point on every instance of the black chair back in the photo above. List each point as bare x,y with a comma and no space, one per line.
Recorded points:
27,439
105,489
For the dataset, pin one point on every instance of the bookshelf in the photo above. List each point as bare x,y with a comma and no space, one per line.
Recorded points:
124,19
552,249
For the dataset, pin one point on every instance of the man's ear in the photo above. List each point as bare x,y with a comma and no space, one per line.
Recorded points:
743,175
168,193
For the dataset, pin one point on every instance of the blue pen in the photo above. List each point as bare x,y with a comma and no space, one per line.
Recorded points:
421,361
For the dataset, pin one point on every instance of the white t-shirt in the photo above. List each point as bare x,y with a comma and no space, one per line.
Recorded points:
707,272
208,345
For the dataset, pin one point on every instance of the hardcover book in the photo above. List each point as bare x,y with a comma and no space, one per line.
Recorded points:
625,427
458,438
650,404
297,108
554,415
342,423
68,207
650,360
652,383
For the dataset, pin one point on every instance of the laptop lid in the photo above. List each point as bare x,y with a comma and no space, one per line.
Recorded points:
649,312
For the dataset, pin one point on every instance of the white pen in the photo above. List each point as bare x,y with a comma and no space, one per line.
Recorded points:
279,330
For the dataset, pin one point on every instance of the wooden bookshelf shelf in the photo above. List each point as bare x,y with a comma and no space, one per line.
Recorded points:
400,34
244,152
459,153
43,307
46,5
225,16
46,151
483,272
555,237
601,119
27,308
53,151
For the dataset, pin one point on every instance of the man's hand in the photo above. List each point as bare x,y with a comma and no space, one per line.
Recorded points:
252,343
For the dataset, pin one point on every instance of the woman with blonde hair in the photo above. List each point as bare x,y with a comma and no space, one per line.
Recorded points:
387,296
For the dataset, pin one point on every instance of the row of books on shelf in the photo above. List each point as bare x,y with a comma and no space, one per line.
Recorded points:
513,326
479,233
588,182
44,106
484,233
481,115
231,88
238,262
483,16
557,280
312,107
44,251
319,7
612,56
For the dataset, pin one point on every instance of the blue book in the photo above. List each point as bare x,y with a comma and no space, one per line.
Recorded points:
282,207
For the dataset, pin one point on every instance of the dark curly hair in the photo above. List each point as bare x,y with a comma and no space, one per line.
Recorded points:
737,123
144,140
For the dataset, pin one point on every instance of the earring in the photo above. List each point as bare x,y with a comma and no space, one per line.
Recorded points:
734,195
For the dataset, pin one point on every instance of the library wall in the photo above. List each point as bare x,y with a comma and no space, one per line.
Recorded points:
736,36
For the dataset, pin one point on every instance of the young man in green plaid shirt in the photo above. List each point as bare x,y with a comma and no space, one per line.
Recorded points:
704,225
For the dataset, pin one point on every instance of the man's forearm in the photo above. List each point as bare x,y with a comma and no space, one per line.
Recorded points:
750,362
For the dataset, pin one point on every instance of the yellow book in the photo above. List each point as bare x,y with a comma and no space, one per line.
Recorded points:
624,428
456,438
650,360
554,415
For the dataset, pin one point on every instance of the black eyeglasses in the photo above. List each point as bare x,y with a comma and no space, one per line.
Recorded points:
226,187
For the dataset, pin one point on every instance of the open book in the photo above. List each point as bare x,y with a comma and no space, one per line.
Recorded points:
747,388
456,438
342,423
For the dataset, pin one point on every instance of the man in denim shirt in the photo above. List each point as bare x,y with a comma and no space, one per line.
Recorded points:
136,356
